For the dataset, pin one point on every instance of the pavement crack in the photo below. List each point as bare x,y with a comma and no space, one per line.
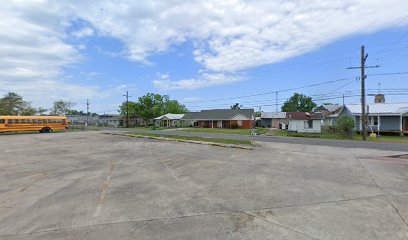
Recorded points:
104,190
280,225
386,193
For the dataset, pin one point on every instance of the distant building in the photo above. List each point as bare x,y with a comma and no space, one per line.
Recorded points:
304,122
82,120
379,98
168,120
328,109
113,120
220,118
273,120
382,117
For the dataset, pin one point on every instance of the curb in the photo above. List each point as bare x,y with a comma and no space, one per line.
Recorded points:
185,141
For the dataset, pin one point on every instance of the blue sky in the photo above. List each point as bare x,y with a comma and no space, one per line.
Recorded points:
196,52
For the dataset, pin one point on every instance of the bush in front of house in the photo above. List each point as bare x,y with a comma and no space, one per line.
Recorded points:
346,125
234,126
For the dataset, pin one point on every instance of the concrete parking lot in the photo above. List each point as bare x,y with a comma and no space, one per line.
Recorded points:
90,185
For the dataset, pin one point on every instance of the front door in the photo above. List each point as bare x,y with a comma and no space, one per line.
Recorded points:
405,124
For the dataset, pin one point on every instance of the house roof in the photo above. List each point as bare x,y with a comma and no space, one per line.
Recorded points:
273,114
170,116
304,116
218,114
380,108
328,107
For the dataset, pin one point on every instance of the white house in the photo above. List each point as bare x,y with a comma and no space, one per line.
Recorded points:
382,117
168,120
304,122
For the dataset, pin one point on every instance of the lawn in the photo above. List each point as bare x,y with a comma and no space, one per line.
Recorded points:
396,139
220,130
201,139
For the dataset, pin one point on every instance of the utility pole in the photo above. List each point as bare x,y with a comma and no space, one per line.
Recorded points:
127,108
362,67
87,111
343,100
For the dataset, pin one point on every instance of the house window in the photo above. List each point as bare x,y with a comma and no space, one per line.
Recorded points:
309,124
374,120
239,123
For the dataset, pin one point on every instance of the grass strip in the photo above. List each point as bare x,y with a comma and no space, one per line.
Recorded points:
220,130
193,138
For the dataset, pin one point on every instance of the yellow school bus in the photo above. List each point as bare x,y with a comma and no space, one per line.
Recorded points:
44,124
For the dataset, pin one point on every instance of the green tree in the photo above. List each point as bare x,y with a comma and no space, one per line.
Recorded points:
61,107
152,105
13,104
236,106
299,103
173,106
345,123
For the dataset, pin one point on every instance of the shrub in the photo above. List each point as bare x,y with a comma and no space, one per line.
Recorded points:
346,124
234,126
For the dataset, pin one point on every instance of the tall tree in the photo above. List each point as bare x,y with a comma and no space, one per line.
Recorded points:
152,105
236,106
13,104
299,103
61,107
173,106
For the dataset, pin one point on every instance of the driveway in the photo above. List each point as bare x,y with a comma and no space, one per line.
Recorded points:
90,185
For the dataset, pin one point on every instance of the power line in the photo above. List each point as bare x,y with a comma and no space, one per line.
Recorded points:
273,92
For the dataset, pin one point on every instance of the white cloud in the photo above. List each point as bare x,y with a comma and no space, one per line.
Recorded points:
228,36
204,80
83,32
235,35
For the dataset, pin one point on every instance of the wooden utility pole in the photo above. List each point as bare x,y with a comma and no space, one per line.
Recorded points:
362,67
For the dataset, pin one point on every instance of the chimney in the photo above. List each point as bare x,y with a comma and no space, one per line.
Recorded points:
379,98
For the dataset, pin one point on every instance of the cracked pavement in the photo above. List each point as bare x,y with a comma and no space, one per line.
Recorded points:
90,185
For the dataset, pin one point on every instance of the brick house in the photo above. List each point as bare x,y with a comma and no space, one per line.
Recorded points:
220,118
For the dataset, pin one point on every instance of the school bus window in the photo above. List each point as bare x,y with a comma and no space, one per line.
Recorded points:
40,120
2,121
35,121
59,121
23,121
28,120
45,121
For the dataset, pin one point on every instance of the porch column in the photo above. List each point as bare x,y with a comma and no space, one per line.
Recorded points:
401,122
212,124
379,125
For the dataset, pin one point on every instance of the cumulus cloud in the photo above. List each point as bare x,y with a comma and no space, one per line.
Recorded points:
204,80
228,36
235,35
83,32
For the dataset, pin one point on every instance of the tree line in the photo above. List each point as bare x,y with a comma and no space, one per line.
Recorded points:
14,104
150,106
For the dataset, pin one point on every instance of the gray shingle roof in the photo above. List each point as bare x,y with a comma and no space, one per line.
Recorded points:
218,114
328,107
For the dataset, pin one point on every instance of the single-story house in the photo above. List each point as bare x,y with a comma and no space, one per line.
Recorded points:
273,120
382,117
168,120
220,118
304,122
